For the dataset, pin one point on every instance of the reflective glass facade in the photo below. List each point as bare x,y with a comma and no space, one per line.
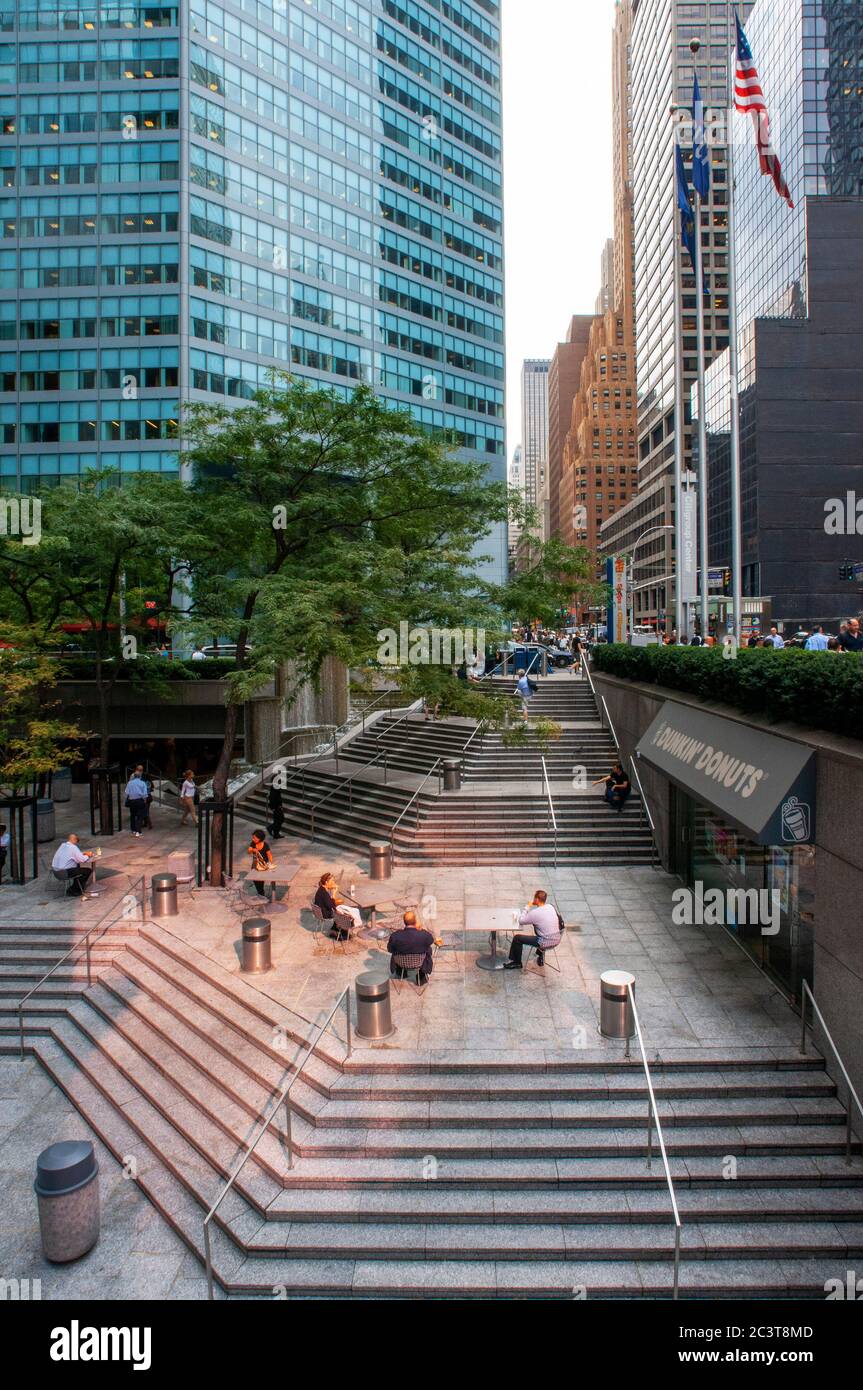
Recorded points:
193,194
810,57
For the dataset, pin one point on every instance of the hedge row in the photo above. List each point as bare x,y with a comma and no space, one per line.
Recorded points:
823,690
211,669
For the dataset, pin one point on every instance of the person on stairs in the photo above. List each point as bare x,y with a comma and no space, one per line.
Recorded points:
617,787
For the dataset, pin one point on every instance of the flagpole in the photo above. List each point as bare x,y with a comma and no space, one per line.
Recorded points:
703,526
681,614
733,362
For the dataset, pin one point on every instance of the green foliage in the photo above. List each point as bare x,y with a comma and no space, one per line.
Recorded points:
822,690
550,576
34,739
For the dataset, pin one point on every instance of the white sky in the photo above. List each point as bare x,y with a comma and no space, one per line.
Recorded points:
557,171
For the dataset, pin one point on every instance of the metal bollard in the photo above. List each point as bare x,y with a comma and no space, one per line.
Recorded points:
164,895
44,820
374,1011
615,1009
68,1195
256,946
380,862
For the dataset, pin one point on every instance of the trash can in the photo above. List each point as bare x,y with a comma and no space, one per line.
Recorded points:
374,1012
451,775
164,895
61,784
68,1195
615,1009
380,862
44,820
256,946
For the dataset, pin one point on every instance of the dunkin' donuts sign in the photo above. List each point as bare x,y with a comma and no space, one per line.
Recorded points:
763,783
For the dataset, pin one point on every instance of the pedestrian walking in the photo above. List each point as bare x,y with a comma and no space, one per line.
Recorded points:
188,792
277,811
525,692
4,849
136,800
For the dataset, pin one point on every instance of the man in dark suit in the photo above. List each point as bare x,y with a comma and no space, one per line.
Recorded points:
412,940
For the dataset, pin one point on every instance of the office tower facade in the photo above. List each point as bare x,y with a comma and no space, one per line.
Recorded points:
534,431
661,74
516,488
564,377
800,307
600,467
195,193
605,298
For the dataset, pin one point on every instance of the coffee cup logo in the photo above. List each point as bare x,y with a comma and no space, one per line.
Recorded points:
796,821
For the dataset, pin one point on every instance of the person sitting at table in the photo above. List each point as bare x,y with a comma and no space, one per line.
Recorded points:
262,858
412,940
330,902
545,935
74,863
617,787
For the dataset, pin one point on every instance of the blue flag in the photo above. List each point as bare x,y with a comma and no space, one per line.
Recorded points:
684,202
700,154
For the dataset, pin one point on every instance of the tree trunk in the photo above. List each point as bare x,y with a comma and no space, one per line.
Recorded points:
218,843
106,806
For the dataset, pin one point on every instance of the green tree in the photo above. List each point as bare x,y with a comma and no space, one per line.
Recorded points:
34,738
328,521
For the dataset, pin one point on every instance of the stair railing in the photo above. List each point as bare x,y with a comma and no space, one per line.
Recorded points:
653,1115
646,815
552,816
266,1120
100,926
437,768
333,751
852,1094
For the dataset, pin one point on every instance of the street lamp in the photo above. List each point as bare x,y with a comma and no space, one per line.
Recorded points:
643,537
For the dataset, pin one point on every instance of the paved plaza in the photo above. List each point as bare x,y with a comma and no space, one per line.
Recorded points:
695,989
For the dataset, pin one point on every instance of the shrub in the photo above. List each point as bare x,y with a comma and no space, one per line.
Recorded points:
821,690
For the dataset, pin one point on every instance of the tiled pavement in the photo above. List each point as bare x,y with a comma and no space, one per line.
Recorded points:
696,990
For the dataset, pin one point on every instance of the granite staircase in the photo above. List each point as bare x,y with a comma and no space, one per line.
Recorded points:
470,1176
502,808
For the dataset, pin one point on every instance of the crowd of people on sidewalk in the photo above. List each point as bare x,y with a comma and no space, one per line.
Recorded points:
811,639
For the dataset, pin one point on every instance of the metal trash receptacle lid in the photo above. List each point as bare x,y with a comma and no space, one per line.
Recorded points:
256,928
616,982
372,986
163,883
64,1167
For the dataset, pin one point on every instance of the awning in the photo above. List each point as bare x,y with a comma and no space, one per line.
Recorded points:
763,783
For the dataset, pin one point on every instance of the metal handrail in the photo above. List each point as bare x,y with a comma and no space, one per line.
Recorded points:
852,1094
346,782
436,768
85,943
653,1114
632,763
266,1121
550,806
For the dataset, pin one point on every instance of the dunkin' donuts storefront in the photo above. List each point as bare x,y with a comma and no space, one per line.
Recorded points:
742,821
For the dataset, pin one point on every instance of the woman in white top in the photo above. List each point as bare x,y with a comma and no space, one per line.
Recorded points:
187,798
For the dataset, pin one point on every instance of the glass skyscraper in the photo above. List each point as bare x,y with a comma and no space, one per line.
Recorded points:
196,193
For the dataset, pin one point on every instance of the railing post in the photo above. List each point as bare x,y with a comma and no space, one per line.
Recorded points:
676,1261
288,1133
649,1133
803,1018
336,751
89,979
848,1131
385,768
21,1030
208,1256
348,1020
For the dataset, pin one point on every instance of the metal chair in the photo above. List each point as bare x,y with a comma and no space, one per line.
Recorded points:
409,965
546,951
321,940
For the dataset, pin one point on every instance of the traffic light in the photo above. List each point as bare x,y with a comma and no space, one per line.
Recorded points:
846,573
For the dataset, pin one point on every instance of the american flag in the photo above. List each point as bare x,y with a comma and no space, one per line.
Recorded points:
749,99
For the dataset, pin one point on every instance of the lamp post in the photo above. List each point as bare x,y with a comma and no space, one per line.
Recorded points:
643,537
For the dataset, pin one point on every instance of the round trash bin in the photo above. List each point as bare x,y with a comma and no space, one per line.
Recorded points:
68,1195
256,946
374,1011
615,1010
164,895
44,820
380,862
61,784
451,775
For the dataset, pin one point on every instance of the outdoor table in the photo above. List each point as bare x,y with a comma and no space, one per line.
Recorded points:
490,921
281,875
402,892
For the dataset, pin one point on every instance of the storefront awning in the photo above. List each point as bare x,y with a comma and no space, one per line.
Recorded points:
763,783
